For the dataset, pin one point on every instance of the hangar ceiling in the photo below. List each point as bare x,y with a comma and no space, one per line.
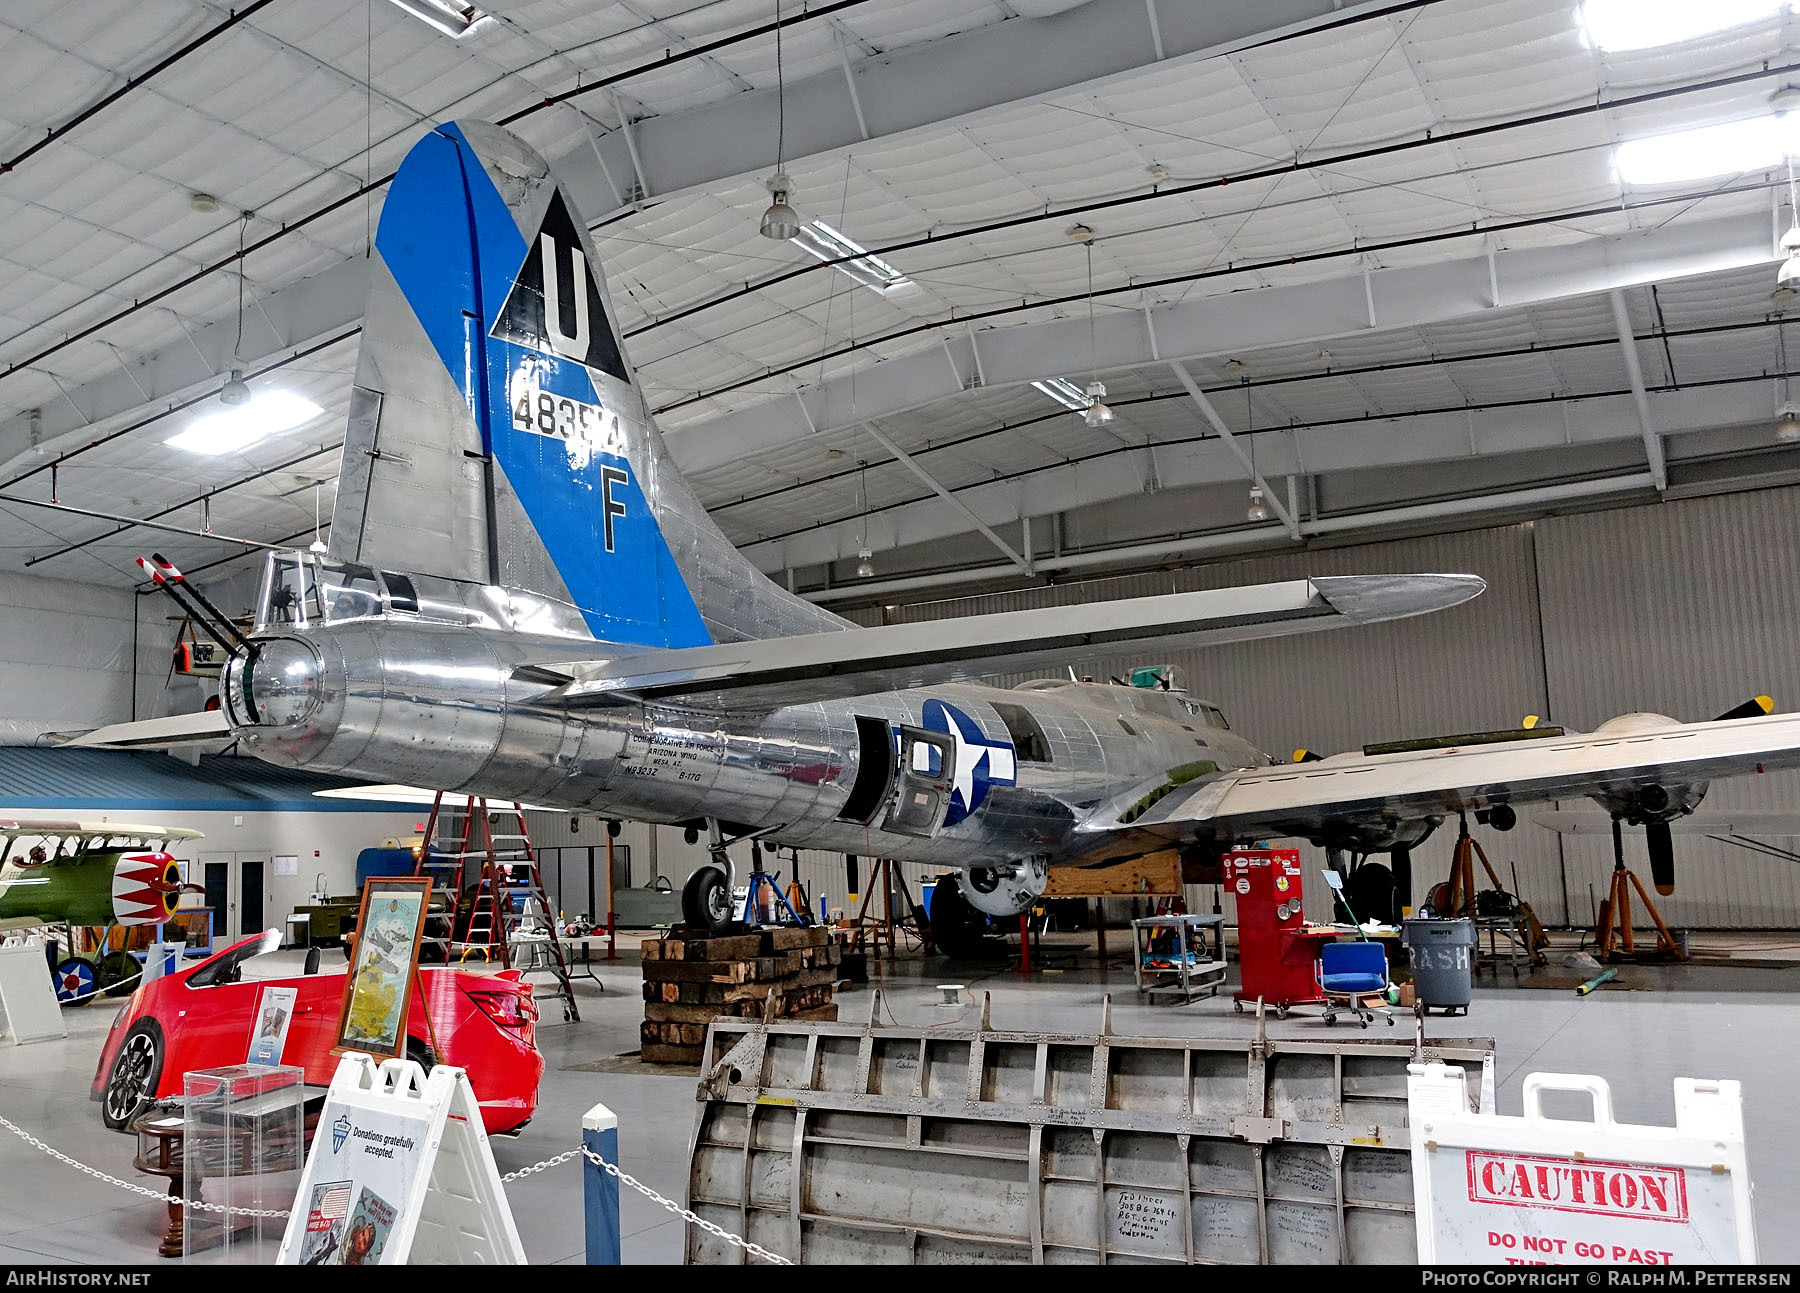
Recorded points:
1379,255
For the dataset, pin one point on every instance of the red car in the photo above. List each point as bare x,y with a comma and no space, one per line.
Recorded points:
201,1017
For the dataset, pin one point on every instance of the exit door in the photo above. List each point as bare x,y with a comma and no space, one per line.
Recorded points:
922,785
234,892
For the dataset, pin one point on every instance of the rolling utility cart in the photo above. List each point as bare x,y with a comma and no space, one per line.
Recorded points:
1170,956
1278,955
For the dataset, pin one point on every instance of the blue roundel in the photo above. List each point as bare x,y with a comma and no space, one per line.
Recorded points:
980,762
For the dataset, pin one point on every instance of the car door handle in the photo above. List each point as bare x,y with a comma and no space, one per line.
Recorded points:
303,1010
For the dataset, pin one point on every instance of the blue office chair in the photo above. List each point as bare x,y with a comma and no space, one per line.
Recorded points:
1349,972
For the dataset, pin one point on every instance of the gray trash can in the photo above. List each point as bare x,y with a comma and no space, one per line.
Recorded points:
1443,958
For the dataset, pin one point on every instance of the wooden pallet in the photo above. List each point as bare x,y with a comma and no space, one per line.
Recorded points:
692,978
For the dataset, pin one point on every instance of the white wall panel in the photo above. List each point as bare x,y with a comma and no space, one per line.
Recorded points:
66,656
1684,609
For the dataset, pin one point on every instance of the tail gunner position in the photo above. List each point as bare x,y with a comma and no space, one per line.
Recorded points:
523,600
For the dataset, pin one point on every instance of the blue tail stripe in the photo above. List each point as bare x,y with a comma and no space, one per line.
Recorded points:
455,273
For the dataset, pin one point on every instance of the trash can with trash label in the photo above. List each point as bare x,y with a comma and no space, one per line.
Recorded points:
1443,958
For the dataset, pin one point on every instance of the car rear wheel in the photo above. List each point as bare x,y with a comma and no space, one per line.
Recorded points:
419,1053
136,1070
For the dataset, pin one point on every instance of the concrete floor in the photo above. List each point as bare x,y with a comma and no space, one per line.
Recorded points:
1688,1021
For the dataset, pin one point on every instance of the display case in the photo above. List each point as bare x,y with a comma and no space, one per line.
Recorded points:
243,1145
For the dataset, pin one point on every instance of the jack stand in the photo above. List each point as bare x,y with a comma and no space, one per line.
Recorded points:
759,878
1614,939
1460,888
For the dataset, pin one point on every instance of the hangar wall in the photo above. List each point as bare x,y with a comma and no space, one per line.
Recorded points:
66,658
1686,607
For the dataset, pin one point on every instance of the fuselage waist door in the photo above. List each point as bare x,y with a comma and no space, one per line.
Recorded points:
923,782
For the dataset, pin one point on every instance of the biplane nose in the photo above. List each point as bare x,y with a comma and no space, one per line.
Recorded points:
145,888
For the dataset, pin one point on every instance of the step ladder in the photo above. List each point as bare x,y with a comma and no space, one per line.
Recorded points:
480,856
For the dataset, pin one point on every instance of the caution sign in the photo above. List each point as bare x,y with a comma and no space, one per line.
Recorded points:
1532,1190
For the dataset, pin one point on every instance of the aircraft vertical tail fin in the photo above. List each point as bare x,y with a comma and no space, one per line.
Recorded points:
497,432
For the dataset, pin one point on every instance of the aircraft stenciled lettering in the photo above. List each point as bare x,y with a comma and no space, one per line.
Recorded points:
980,761
610,506
554,306
583,427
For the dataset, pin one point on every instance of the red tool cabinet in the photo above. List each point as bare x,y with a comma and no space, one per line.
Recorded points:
1278,958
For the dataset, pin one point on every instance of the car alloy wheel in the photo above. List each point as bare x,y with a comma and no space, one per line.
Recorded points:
131,1087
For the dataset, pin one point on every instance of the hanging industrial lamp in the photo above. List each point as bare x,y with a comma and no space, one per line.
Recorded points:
1259,506
865,564
1096,414
780,221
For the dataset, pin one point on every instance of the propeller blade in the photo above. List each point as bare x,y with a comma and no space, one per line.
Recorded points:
1755,707
1304,755
1661,842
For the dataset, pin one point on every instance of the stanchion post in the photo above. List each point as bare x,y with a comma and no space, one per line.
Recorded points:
1024,943
600,1188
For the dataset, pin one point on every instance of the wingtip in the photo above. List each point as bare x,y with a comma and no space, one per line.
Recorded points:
1372,598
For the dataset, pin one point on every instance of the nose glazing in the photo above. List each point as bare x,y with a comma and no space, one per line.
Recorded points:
287,683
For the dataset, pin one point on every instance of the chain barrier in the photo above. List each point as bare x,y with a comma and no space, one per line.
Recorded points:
134,1188
669,1205
580,1151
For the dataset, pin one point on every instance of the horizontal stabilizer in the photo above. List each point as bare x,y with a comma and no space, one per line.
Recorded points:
156,733
817,666
1776,822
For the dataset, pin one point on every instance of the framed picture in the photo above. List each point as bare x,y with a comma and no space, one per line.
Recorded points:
384,966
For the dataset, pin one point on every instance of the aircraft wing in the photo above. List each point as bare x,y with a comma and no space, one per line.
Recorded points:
155,733
846,662
1308,800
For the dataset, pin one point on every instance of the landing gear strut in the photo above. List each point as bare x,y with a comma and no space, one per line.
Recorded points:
706,898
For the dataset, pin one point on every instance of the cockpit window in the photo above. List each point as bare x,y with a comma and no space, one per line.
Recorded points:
1029,741
1215,717
349,592
400,592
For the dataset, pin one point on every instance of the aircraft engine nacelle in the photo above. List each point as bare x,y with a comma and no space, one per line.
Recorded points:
145,888
1651,806
1005,890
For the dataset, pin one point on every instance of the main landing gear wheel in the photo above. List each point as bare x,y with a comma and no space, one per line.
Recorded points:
957,929
706,899
131,1086
118,974
74,980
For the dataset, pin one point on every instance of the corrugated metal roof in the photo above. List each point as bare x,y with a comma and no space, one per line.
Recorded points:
61,779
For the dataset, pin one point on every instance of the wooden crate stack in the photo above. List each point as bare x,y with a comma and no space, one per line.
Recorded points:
691,978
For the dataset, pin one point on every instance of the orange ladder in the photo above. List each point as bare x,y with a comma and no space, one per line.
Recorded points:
485,916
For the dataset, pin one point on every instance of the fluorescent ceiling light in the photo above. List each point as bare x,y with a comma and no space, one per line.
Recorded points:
1616,25
1065,393
229,430
448,16
1759,144
405,795
819,239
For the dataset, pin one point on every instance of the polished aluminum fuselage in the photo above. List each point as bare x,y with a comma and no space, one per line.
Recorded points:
434,700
